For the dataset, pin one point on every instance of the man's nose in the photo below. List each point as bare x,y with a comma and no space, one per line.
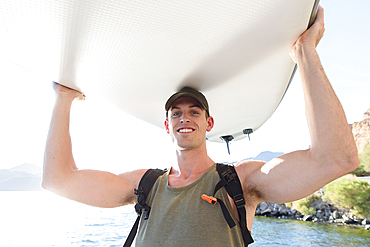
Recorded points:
185,118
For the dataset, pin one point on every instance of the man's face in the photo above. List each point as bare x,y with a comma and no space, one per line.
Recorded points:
187,123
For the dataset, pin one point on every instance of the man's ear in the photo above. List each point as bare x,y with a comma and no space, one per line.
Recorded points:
166,126
210,123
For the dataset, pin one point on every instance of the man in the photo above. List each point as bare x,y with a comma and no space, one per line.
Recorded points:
287,178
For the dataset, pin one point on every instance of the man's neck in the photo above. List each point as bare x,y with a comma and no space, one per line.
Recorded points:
191,164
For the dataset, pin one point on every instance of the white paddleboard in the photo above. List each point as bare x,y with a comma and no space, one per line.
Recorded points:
137,53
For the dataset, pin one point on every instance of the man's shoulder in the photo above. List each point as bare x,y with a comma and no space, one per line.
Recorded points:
133,177
247,167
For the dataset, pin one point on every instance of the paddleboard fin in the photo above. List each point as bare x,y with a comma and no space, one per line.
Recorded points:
247,132
227,139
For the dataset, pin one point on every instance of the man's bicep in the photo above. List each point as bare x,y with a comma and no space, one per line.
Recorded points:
291,177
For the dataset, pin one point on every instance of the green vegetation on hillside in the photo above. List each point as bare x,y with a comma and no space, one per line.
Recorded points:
304,205
350,194
364,167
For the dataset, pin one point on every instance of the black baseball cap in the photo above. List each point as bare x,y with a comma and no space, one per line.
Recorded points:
188,92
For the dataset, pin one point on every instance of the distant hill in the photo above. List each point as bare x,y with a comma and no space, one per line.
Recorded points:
267,156
27,168
21,178
264,156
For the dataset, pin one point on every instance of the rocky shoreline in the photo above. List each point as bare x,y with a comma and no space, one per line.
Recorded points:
326,213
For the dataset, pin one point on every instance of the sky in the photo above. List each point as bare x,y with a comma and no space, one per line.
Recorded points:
105,138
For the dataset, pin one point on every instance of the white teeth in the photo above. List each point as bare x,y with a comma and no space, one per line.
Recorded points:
185,130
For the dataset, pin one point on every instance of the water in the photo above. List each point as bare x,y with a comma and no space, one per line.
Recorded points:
275,232
44,219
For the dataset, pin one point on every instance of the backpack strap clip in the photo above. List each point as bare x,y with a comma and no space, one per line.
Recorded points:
141,206
239,201
228,176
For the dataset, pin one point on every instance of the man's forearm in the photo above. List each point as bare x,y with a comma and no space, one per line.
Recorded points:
58,158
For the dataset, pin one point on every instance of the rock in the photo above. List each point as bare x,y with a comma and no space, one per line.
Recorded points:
361,132
366,115
274,214
307,218
335,215
338,221
298,214
317,204
283,211
263,206
267,211
365,222
284,217
320,214
349,220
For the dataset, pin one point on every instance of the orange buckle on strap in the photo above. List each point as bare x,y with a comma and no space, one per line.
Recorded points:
209,199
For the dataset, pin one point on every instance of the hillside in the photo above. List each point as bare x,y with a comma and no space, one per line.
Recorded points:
361,131
21,178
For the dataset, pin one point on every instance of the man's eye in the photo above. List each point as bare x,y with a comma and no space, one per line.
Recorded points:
194,112
175,114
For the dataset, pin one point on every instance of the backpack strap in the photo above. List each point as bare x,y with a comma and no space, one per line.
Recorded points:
146,183
231,182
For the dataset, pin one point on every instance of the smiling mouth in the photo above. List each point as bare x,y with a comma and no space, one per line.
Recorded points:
185,130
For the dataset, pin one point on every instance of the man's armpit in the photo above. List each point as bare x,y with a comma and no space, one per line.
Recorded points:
252,193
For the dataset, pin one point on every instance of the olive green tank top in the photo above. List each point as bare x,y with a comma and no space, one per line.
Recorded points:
180,217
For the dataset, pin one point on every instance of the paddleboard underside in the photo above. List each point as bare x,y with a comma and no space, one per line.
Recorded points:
137,53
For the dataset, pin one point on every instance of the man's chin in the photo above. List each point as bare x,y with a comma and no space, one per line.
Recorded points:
183,146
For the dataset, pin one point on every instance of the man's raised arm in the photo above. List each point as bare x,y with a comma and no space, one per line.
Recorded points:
333,152
61,175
